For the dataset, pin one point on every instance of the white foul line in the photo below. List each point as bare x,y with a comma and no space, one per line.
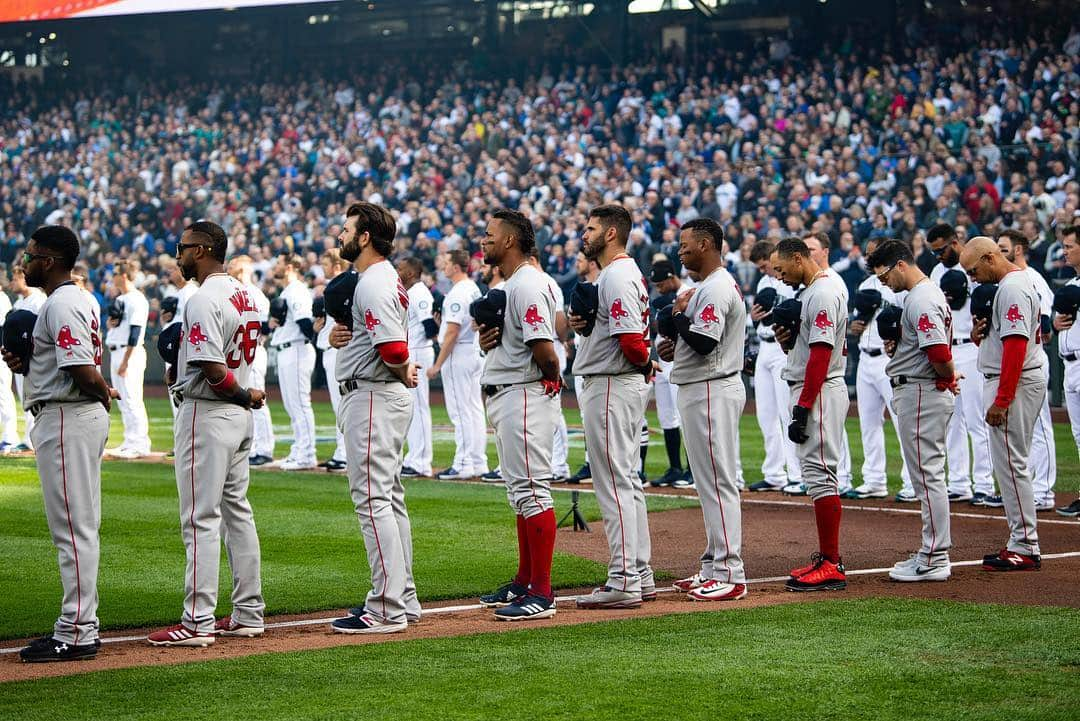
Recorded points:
563,599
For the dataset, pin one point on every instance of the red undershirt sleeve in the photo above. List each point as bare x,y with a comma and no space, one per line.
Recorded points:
634,348
394,353
816,369
1014,348
940,353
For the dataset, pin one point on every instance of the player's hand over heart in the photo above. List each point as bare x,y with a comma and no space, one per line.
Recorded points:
13,362
978,330
1063,322
681,302
890,348
489,337
577,323
666,349
340,336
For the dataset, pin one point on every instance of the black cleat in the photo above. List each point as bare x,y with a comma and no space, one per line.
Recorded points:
47,650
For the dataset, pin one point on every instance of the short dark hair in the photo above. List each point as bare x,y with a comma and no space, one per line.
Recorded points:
888,253
613,215
706,227
215,236
941,231
460,258
1016,238
125,268
415,263
378,222
1073,230
522,228
59,239
822,237
761,251
792,246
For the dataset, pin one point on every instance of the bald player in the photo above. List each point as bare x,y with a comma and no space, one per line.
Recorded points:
376,374
924,380
708,357
1068,331
1010,347
815,374
70,402
614,362
422,330
262,437
1015,246
31,299
522,382
212,439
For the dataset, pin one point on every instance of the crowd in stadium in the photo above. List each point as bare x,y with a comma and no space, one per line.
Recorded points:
974,126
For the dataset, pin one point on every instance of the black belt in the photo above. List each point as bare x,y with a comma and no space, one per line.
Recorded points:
1022,372
1070,357
114,348
726,375
767,340
897,381
792,384
873,352
961,341
290,344
491,390
177,399
354,384
35,409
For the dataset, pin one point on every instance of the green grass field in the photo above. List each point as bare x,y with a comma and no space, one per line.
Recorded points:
876,659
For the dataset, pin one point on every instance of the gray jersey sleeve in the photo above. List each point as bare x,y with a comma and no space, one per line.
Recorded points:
203,330
931,322
77,344
819,318
1012,304
623,298
707,310
380,309
533,305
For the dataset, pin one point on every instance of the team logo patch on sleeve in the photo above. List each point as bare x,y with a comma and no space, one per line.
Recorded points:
708,316
533,317
1013,314
370,321
617,311
822,320
65,340
925,325
196,337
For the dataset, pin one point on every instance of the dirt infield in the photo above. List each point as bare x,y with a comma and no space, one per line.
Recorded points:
778,534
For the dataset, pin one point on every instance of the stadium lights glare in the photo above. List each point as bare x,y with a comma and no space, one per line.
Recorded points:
52,36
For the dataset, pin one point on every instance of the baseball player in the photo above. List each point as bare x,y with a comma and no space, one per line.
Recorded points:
560,467
1015,246
29,299
522,382
332,264
127,360
422,329
922,373
780,468
615,367
1066,304
212,438
872,386
70,402
588,273
262,438
9,419
375,375
1010,350
292,339
708,358
815,374
965,467
670,287
172,307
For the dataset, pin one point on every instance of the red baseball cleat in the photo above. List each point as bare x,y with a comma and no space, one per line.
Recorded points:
1011,561
824,576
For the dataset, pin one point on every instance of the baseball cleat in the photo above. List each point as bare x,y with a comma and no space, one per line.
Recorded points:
815,558
228,627
717,591
1070,511
451,474
48,650
528,608
823,576
764,487
366,623
686,480
336,466
992,501
583,474
608,597
960,496
979,499
410,472
492,476
913,570
863,492
1046,503
6,448
258,460
648,593
906,495
689,584
23,448
670,476
180,635
795,489
1008,560
504,595
297,466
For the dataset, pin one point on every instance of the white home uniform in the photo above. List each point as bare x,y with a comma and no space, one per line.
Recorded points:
69,434
1015,314
31,302
1069,349
182,296
295,364
329,364
874,394
9,419
772,399
422,353
262,438
212,440
130,385
711,400
969,419
376,410
1043,464
461,382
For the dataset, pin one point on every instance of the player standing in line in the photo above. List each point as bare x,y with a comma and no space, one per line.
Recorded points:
262,437
966,467
616,369
9,419
1010,350
588,271
296,362
1068,331
70,402
31,299
708,358
422,328
522,383
874,392
771,395
375,376
127,360
460,355
670,287
1014,246
922,372
333,265
212,438
815,374
560,468
172,307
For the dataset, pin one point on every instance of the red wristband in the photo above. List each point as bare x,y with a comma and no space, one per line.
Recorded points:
225,382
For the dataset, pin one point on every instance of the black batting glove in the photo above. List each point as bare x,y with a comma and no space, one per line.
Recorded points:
800,416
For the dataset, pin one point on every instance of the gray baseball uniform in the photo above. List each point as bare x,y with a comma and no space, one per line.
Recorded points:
823,320
130,385
711,400
69,435
182,295
523,417
212,441
1015,314
376,410
1043,457
612,400
923,412
772,400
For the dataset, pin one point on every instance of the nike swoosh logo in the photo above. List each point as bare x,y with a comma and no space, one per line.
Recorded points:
923,570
